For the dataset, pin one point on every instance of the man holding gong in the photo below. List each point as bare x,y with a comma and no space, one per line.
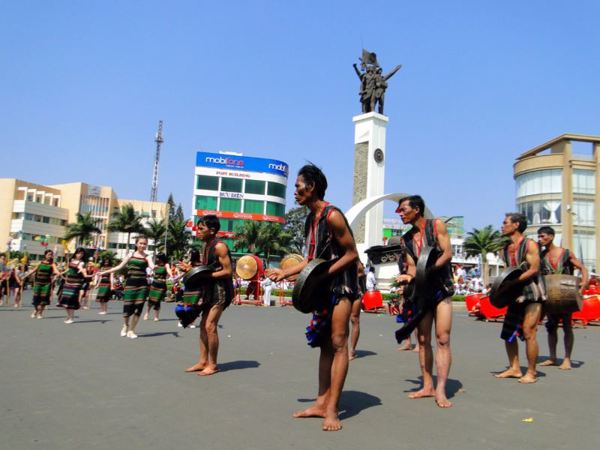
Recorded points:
328,237
436,295
526,292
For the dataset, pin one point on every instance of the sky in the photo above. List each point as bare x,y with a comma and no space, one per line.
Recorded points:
84,84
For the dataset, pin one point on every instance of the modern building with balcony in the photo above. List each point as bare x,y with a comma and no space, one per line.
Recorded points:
557,184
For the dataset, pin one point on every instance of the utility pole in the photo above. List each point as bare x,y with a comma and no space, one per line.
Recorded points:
159,140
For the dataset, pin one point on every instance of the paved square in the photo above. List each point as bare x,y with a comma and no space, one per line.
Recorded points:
82,386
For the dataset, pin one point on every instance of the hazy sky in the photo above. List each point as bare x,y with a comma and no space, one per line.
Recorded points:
84,84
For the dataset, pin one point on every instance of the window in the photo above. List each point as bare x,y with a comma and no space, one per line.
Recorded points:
276,189
207,182
18,215
255,187
275,209
544,212
30,196
231,204
583,212
539,182
254,207
204,202
584,181
46,219
55,202
231,184
584,246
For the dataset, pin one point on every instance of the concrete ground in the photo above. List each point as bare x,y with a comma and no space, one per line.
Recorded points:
82,386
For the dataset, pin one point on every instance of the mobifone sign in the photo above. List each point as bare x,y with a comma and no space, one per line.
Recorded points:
246,163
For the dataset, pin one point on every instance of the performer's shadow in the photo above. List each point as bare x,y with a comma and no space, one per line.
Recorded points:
452,386
352,402
238,365
160,333
102,321
364,353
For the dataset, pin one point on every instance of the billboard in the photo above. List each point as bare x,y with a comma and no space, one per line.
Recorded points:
247,163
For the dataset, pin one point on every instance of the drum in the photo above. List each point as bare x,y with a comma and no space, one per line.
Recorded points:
249,267
311,286
196,277
372,300
563,294
500,297
290,261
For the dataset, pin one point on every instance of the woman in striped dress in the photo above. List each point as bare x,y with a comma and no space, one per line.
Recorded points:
105,286
42,283
158,289
75,276
136,285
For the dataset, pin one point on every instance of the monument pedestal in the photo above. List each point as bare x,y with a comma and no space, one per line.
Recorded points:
369,175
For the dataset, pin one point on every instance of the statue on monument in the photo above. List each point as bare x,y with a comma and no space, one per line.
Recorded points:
373,83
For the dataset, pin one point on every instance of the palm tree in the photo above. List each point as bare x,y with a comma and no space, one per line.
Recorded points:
273,240
480,243
82,230
156,230
178,238
127,221
247,237
262,238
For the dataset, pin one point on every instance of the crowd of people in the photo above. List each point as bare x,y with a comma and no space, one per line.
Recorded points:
335,327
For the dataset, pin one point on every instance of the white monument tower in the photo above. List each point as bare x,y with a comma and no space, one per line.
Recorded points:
369,175
369,154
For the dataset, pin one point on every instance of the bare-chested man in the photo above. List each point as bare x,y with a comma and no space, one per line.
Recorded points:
558,260
328,236
216,294
524,313
430,233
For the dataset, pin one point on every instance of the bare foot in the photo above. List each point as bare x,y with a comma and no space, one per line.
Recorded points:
510,373
416,349
548,362
404,347
527,379
332,423
352,356
566,365
313,411
208,371
422,393
196,367
442,401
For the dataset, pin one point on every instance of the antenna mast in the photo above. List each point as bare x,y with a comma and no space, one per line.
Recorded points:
159,140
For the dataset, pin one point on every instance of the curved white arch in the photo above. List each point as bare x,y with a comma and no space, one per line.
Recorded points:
358,211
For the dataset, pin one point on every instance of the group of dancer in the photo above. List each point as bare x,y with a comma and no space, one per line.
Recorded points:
328,236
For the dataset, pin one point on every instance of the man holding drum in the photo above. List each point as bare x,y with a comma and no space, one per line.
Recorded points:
328,236
525,311
558,260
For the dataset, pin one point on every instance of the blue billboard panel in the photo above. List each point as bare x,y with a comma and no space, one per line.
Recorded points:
222,161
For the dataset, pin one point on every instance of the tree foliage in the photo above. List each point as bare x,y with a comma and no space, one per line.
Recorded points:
127,220
480,242
178,239
263,239
294,226
156,230
83,229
